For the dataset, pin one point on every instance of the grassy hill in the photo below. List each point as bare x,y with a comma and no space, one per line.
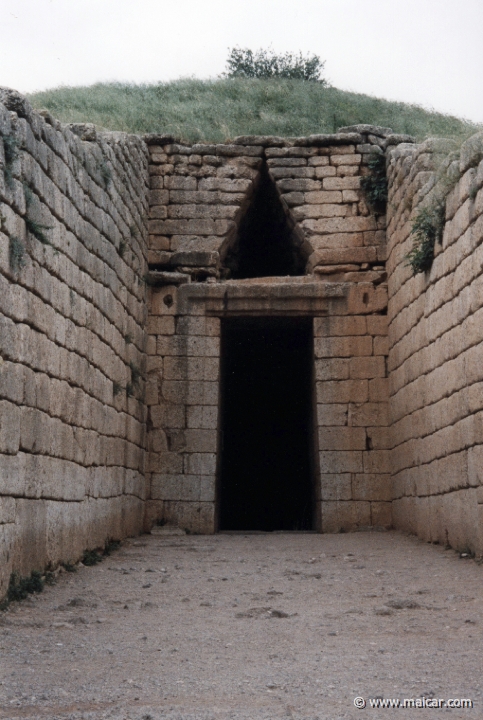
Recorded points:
216,110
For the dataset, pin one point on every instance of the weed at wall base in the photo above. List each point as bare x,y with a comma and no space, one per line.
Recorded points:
20,587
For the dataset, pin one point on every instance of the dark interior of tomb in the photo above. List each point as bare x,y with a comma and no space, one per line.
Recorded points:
266,471
266,244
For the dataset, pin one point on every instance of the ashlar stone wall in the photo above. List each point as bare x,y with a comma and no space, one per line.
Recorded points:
199,197
436,346
73,209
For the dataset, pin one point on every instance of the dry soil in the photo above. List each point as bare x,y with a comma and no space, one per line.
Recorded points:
248,626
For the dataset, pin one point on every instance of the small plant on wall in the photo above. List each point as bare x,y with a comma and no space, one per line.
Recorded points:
374,185
427,230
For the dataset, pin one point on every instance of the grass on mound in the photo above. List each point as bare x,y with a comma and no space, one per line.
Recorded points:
216,110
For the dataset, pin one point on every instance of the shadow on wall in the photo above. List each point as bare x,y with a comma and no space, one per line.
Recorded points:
267,243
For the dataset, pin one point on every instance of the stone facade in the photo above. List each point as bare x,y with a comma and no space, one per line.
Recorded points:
201,195
123,258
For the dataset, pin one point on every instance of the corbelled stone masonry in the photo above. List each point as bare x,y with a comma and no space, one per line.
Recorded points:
200,195
120,259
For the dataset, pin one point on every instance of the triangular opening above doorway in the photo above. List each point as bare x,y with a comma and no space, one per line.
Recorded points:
267,242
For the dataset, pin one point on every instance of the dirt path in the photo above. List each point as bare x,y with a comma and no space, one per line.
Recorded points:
248,627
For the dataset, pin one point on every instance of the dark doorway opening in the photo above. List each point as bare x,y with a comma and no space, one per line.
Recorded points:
267,243
266,466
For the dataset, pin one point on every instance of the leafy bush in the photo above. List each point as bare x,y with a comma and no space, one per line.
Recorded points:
427,229
375,184
245,63
19,587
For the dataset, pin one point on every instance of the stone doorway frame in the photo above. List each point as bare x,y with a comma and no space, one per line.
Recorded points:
200,307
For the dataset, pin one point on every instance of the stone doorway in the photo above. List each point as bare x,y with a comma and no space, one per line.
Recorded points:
266,469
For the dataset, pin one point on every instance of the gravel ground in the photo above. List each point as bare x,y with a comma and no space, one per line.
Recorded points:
248,626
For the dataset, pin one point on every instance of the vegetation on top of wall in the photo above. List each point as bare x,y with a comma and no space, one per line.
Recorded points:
374,185
215,110
428,226
243,62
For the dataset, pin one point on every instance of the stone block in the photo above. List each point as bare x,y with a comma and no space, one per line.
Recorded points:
158,197
191,368
367,367
379,390
177,182
320,197
160,325
344,461
339,347
318,160
335,487
336,241
342,183
202,416
381,345
342,438
340,225
341,256
325,171
346,516
200,464
377,461
342,391
170,463
339,326
332,369
167,415
367,299
200,326
320,211
331,414
377,324
200,441
163,301
10,423
379,438
207,494
299,185
372,487
7,510
352,159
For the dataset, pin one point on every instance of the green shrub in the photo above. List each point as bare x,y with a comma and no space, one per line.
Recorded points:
427,229
91,557
20,587
375,184
245,63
